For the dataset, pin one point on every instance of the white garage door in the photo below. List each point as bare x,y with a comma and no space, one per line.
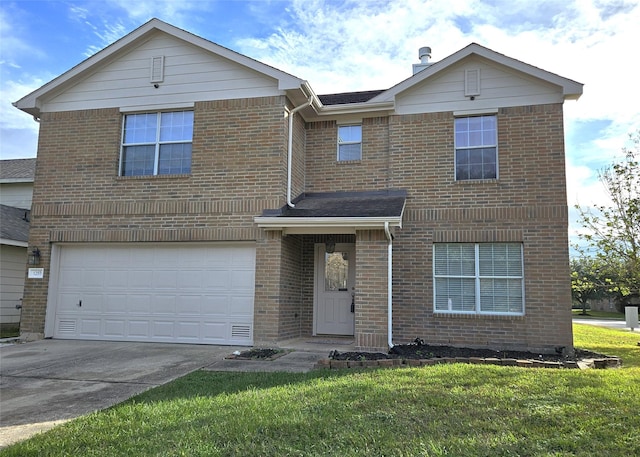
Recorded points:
180,293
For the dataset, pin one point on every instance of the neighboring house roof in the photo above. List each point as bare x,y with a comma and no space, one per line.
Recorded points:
338,212
14,225
17,170
300,91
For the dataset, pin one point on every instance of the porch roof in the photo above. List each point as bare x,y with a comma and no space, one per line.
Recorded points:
337,212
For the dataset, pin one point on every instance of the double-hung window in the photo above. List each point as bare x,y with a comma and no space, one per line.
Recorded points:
478,278
476,144
157,144
349,142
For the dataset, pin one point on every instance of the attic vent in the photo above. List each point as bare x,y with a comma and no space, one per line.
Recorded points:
242,332
472,82
67,326
157,69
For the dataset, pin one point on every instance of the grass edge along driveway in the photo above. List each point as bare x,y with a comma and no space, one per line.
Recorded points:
444,410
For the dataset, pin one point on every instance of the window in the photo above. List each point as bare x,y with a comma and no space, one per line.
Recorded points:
157,144
476,147
481,278
349,142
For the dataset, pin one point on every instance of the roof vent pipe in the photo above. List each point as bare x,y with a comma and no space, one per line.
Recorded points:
424,54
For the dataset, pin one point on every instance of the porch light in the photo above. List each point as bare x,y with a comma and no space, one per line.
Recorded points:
330,245
34,257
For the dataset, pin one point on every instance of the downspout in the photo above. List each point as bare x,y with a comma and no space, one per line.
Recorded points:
290,148
389,285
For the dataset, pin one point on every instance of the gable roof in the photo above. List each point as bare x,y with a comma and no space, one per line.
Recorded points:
570,89
17,170
31,103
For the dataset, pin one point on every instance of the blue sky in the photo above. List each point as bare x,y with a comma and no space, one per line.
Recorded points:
353,45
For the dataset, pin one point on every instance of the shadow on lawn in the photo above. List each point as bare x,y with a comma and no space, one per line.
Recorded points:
212,383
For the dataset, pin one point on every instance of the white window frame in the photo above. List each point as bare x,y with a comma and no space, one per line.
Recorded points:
457,147
478,277
157,143
347,143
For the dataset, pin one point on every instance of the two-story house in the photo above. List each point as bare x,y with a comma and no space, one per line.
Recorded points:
187,193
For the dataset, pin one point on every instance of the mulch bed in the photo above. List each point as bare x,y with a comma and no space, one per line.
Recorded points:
421,351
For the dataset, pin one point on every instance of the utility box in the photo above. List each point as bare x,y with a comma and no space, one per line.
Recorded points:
631,316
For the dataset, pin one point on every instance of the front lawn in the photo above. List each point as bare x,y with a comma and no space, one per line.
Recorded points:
452,410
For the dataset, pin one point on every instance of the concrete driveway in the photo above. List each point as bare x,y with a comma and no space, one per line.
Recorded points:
45,382
610,323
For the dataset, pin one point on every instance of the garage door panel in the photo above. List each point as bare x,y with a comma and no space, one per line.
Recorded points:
139,303
116,279
162,329
115,328
216,305
164,304
139,279
242,280
71,278
90,328
191,293
138,328
242,306
164,279
68,302
115,304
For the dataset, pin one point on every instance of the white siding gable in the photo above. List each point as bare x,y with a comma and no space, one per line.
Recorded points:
499,86
190,74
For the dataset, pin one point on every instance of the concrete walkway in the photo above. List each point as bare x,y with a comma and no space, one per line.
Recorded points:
44,383
609,323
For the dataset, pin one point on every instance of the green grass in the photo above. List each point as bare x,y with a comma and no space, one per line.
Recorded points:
597,314
444,410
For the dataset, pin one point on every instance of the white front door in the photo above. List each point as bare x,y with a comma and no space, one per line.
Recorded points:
335,290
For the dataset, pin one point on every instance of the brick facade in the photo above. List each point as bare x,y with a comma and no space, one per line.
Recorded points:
240,168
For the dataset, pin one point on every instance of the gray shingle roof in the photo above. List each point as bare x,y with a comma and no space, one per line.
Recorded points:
13,225
384,203
17,170
348,97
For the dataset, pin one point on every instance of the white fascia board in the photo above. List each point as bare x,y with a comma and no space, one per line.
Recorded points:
570,89
357,108
298,225
8,242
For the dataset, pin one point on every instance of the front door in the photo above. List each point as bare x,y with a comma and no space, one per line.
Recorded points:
335,290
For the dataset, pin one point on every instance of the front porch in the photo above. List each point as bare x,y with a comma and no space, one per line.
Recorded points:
322,274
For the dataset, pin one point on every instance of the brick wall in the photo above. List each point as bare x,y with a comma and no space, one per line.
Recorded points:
526,204
371,289
238,169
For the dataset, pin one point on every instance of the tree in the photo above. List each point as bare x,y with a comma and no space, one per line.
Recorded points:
587,282
613,231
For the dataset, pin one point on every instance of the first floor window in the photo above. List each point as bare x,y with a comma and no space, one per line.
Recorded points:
157,143
481,278
349,142
476,147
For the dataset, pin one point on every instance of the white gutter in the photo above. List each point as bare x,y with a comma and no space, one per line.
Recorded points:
389,285
290,147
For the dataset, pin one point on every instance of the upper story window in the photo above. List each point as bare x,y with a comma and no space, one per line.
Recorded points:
476,143
478,278
349,142
157,144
